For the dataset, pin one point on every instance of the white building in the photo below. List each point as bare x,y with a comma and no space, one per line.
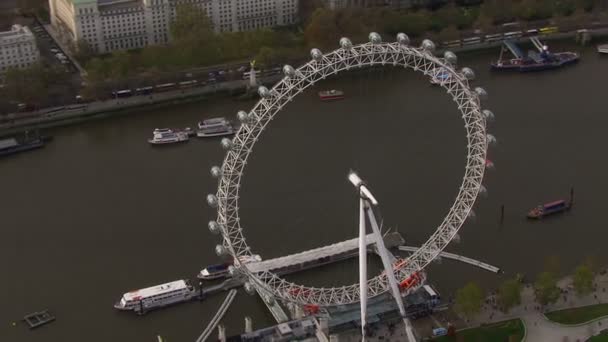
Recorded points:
108,25
17,48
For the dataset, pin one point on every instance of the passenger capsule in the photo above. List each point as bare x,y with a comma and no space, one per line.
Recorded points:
403,39
220,250
491,139
428,45
468,73
488,114
316,54
345,43
216,171
212,200
263,92
226,144
483,190
232,271
214,227
450,57
375,38
289,71
243,116
249,288
482,93
456,238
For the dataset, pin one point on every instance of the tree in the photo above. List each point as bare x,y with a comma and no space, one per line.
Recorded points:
583,279
499,11
564,7
266,57
469,299
191,24
509,294
84,52
322,31
27,85
546,288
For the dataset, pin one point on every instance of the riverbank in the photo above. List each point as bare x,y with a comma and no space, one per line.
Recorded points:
52,117
539,326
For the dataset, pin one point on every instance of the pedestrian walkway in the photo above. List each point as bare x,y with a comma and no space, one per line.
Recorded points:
538,327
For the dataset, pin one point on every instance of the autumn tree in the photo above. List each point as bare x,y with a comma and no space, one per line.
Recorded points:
322,31
469,299
583,279
509,294
546,288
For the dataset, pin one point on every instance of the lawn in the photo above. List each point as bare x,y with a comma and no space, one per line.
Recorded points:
512,330
578,315
603,337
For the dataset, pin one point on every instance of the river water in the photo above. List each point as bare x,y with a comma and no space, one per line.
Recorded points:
99,212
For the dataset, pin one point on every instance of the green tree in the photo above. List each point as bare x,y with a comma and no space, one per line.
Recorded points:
266,57
583,279
191,23
564,7
27,85
469,299
499,11
322,31
546,288
84,52
509,294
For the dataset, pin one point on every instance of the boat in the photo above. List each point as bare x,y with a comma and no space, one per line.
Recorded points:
213,121
13,145
215,127
533,61
547,209
439,76
162,136
154,297
221,270
330,95
602,48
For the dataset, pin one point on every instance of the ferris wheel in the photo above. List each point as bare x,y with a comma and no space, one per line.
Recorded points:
347,57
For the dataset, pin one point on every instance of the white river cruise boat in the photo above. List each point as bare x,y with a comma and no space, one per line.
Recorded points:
144,300
161,136
215,127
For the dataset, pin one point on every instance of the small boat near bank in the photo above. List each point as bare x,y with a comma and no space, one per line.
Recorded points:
221,270
603,49
215,127
163,136
331,95
27,142
550,208
533,61
146,299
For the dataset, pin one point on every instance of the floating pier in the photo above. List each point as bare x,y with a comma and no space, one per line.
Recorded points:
36,319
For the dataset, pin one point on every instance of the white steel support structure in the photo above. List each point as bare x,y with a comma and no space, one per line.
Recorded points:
296,81
366,204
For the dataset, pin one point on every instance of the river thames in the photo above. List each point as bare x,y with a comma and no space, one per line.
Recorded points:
99,211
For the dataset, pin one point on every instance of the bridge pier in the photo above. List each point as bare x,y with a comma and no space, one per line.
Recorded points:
248,325
221,333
